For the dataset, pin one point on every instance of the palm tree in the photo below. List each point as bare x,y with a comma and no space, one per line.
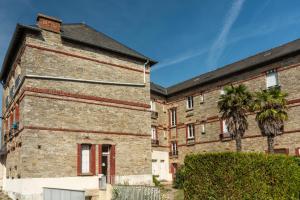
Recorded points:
271,112
234,105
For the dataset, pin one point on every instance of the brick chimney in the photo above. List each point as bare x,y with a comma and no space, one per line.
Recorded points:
48,23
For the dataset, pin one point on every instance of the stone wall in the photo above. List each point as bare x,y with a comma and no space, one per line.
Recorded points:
206,113
58,114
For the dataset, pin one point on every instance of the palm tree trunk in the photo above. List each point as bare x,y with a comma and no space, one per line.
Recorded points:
270,144
238,142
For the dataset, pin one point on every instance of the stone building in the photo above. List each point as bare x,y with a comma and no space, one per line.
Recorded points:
75,108
185,117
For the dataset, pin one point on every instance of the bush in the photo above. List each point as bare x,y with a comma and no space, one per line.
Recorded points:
179,178
241,176
156,181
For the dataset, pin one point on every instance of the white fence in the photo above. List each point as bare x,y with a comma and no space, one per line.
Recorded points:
61,194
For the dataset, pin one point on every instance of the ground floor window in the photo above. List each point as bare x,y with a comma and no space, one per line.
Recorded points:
86,159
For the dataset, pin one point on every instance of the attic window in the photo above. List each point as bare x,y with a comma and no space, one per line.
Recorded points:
271,79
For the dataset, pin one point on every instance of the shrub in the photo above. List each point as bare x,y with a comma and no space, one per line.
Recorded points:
179,178
241,176
156,181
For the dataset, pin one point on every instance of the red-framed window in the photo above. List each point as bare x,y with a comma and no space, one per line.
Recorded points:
86,159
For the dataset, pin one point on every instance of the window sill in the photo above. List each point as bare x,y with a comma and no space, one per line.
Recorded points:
86,174
173,126
189,109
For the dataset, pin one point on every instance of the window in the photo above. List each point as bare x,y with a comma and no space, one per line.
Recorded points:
190,102
173,116
271,79
152,105
153,133
190,131
203,128
222,91
6,101
17,81
297,151
11,92
174,147
224,127
202,98
85,158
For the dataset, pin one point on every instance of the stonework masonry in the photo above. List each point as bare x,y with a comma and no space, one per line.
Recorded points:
63,98
206,114
67,95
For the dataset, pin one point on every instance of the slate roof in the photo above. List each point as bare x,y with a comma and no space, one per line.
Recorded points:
77,33
87,35
235,68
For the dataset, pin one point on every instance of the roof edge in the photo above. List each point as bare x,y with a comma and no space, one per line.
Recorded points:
13,47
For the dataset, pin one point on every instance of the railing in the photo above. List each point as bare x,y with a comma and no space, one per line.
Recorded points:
154,114
154,142
173,154
128,192
191,141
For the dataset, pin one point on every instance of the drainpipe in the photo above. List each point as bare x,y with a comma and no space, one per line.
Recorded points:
146,63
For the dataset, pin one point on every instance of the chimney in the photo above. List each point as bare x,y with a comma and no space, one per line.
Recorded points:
48,23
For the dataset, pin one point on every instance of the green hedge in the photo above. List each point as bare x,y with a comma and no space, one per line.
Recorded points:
241,176
179,178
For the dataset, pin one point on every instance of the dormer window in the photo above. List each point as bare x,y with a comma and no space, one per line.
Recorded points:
190,102
202,98
271,79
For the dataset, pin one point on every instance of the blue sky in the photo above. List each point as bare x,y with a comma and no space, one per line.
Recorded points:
187,39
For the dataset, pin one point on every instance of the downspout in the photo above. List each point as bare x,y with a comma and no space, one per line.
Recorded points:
146,63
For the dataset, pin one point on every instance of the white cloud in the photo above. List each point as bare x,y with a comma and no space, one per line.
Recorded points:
218,46
179,58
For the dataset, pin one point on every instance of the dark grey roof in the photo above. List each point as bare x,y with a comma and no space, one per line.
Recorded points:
87,35
237,67
77,33
158,89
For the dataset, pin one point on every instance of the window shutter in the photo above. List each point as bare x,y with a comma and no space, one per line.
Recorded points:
6,124
100,158
93,160
17,114
193,130
11,118
186,133
112,162
78,159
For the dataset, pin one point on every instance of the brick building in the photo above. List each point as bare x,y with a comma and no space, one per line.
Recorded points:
185,116
75,107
